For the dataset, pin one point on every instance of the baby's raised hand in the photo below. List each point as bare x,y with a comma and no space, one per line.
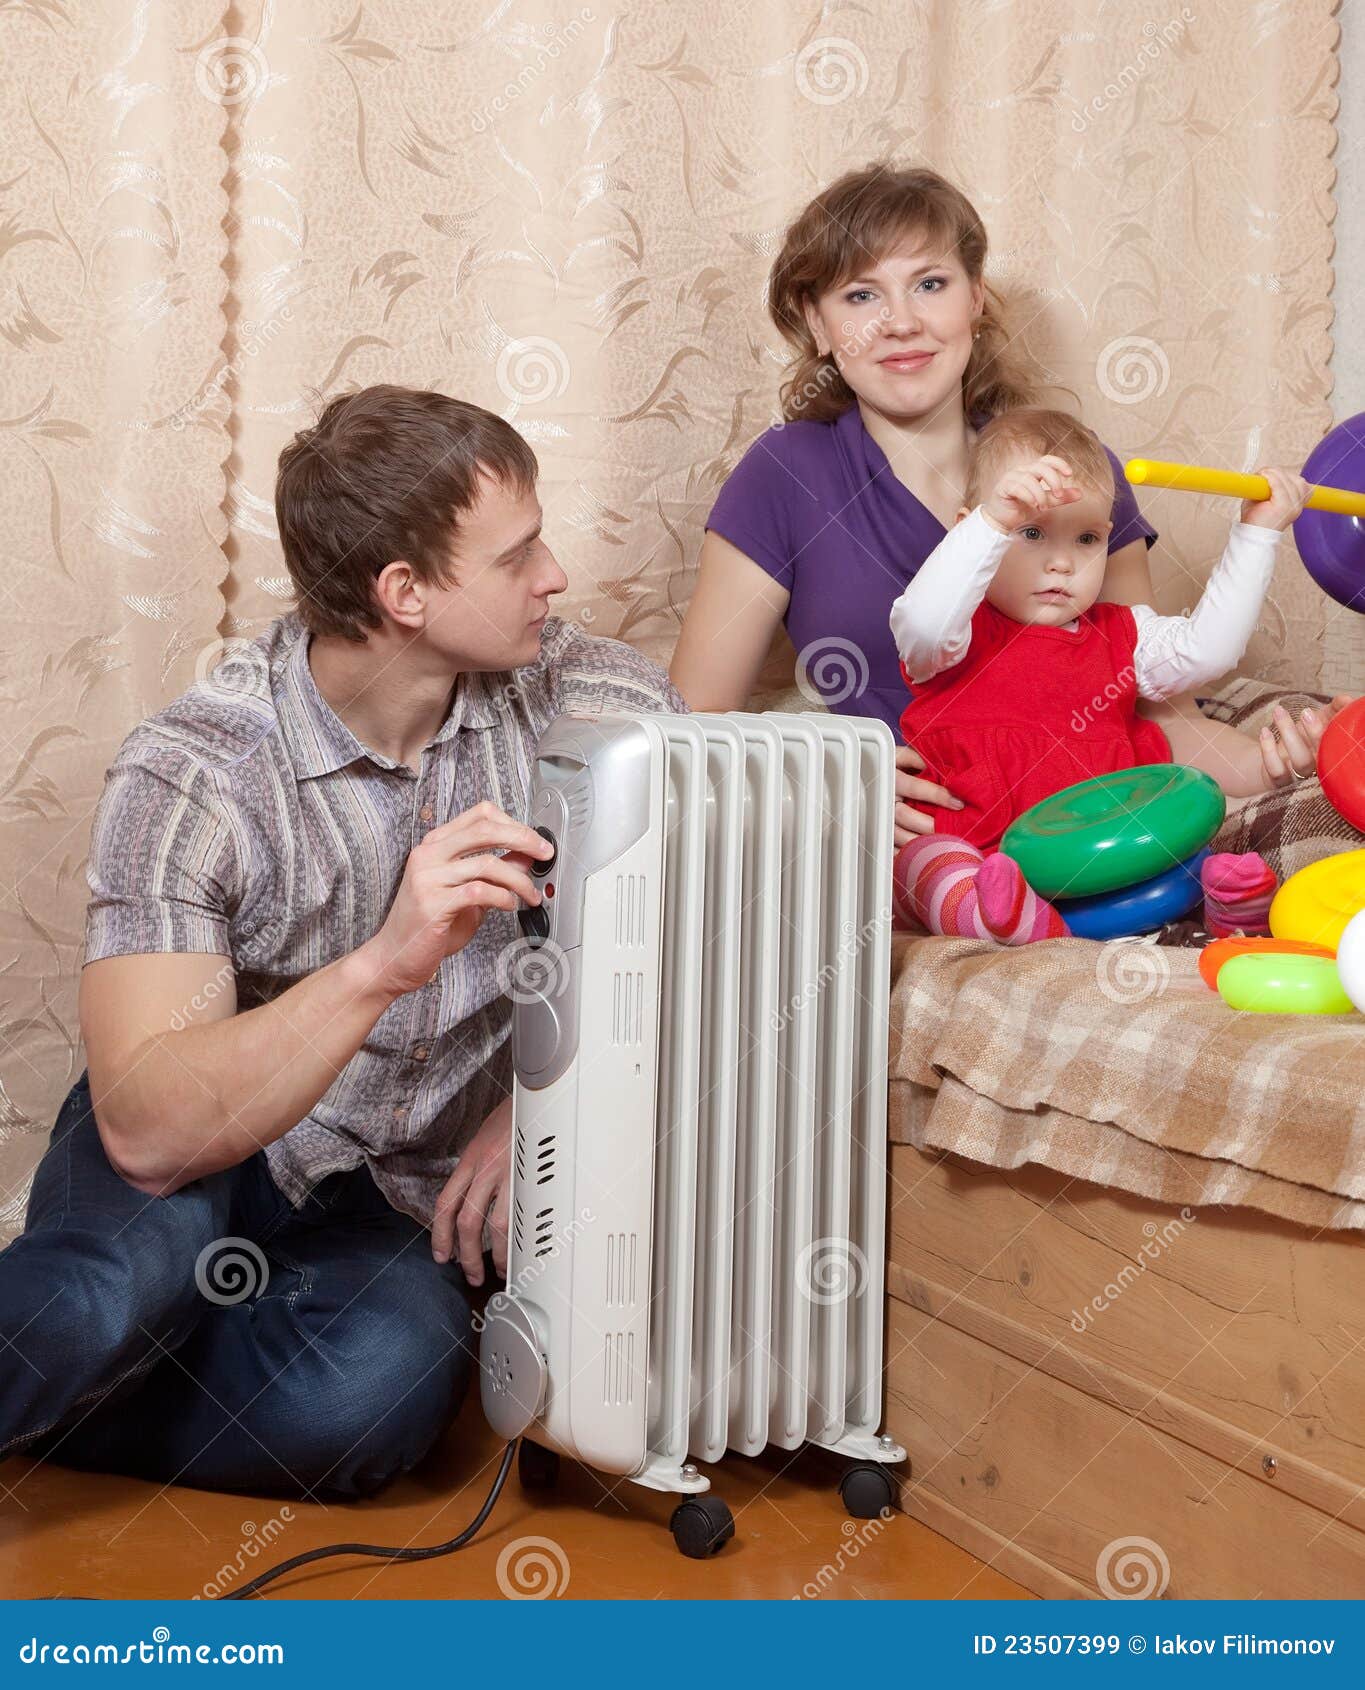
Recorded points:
1288,495
1025,491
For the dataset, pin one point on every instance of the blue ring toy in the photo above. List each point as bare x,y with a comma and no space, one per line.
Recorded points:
1136,909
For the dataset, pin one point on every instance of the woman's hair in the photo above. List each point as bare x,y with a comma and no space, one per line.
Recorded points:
860,218
1030,432
384,474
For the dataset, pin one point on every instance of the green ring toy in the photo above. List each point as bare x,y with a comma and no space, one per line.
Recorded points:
1115,830
1283,985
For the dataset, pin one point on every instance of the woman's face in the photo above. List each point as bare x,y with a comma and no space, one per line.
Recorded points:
901,330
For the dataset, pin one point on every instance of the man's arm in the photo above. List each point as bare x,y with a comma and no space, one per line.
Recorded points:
183,1086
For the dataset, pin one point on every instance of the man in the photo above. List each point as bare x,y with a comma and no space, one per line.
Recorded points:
305,874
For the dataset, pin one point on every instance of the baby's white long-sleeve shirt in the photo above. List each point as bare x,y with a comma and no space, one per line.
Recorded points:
931,621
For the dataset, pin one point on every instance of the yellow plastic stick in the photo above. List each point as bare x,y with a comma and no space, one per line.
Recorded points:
1194,478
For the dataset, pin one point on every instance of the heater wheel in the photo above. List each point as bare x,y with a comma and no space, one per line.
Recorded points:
537,1467
866,1489
701,1526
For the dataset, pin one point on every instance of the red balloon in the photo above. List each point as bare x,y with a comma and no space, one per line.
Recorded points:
1341,763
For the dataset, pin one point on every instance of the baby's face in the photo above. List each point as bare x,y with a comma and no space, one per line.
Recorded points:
1054,569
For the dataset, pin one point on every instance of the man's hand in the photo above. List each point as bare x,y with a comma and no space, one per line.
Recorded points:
449,882
479,1188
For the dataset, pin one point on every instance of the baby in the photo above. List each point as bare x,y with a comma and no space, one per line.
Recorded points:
1024,683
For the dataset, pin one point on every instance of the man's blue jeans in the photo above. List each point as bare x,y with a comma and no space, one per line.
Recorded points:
129,1343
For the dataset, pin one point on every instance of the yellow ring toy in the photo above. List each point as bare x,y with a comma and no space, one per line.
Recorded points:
1316,903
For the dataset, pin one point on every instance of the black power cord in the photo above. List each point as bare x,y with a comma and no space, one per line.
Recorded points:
378,1551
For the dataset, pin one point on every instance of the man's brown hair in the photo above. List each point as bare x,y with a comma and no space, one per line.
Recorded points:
384,474
1032,432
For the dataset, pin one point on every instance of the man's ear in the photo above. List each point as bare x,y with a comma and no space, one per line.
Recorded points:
400,596
816,327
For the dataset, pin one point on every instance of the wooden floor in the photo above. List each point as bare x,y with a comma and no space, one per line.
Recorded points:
64,1533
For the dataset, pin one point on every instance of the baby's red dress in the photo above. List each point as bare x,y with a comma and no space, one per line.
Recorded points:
1027,711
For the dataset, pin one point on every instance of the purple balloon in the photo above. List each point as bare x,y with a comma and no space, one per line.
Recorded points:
1333,547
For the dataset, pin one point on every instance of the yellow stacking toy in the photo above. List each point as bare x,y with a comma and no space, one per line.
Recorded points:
1280,983
1316,903
1196,478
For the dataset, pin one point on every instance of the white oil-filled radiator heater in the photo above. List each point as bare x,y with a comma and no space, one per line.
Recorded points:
699,1038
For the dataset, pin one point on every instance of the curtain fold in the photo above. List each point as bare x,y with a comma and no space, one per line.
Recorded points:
111,288
214,218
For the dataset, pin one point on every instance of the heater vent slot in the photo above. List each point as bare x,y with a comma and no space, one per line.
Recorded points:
545,1159
630,910
516,1222
544,1241
621,1265
627,1007
618,1369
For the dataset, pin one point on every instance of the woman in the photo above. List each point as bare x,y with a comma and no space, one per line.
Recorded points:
901,354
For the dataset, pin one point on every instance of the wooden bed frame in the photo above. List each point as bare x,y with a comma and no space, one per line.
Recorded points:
1070,1367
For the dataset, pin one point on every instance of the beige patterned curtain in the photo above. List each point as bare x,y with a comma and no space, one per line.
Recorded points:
214,217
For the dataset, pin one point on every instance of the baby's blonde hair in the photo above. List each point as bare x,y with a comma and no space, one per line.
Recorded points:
1030,431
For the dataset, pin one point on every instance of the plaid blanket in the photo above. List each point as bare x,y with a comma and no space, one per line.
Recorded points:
1116,1064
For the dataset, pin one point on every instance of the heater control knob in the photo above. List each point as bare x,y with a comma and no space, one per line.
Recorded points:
541,867
535,923
512,1371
